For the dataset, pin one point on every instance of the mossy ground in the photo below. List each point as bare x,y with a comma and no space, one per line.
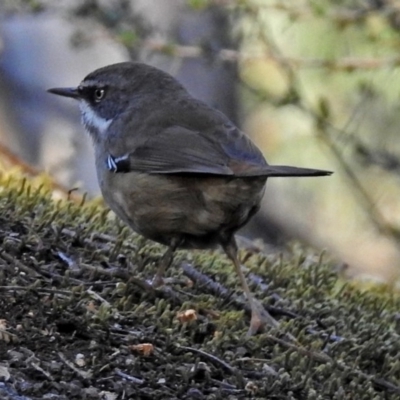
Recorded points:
75,302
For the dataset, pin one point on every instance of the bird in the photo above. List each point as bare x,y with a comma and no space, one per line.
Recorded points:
173,168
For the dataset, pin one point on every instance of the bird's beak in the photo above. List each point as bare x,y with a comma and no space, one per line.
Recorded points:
66,92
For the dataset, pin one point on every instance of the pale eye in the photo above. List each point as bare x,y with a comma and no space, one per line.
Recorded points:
99,95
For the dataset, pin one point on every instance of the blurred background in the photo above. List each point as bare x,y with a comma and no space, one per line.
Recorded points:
315,83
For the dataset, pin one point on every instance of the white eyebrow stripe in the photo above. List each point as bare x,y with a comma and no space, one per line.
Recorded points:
89,83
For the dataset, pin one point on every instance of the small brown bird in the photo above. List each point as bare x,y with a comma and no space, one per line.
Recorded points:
174,169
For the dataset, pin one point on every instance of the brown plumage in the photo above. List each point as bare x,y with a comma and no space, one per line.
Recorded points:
174,169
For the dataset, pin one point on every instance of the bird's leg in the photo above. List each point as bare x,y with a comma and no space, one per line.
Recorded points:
259,315
165,262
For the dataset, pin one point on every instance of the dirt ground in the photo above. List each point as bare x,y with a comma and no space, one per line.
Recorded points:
79,320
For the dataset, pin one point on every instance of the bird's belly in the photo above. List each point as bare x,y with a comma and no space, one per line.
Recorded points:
196,209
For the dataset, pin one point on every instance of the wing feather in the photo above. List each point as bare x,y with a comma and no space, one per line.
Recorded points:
181,150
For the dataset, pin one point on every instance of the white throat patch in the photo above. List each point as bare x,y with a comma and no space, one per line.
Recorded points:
92,122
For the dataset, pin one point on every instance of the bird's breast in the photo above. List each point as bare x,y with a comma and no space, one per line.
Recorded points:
160,207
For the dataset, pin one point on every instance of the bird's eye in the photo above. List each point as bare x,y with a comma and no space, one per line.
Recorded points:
99,95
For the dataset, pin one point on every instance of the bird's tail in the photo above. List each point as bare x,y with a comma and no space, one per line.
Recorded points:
282,171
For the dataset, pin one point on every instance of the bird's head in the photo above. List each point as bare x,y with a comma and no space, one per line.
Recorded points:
110,92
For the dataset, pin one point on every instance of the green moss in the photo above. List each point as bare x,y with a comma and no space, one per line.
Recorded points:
64,264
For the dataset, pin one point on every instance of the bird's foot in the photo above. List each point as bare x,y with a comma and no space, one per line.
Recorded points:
157,281
260,319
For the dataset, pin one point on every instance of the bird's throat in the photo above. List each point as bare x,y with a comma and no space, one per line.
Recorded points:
94,124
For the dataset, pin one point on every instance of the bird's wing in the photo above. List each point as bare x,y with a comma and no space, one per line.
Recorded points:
223,151
220,150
